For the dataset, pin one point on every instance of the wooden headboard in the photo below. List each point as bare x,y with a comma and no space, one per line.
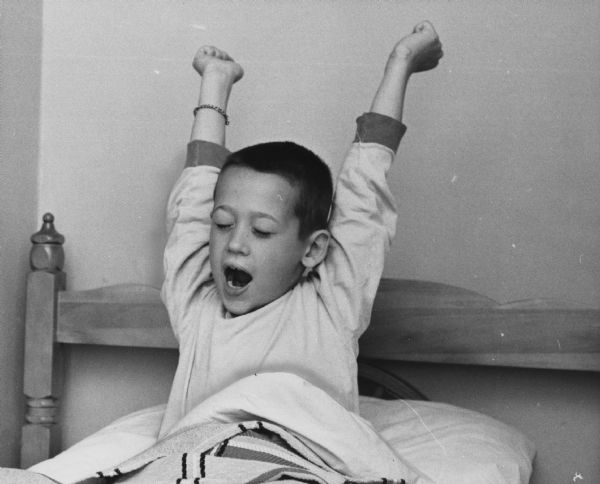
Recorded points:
411,321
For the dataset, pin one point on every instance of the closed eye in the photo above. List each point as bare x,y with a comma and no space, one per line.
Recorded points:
222,226
261,233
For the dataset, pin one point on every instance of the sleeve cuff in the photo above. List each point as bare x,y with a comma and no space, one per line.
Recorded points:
204,153
381,129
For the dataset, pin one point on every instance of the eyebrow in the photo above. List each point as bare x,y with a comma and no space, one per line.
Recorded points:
227,208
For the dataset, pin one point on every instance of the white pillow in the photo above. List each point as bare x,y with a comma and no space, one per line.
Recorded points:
449,444
452,445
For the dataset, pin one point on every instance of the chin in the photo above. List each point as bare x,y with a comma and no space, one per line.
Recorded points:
235,312
238,308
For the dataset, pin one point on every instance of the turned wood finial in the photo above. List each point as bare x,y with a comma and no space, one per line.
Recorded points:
47,252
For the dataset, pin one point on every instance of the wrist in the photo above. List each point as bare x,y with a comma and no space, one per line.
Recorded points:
224,75
217,74
399,64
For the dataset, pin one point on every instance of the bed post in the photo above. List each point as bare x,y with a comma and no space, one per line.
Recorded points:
40,380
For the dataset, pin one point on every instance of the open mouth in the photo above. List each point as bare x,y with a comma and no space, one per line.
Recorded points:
237,278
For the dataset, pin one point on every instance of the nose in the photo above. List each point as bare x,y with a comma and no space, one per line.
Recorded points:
238,241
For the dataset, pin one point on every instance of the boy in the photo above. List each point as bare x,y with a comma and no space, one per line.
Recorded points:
256,278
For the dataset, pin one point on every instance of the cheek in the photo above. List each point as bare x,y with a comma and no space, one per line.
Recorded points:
283,261
264,258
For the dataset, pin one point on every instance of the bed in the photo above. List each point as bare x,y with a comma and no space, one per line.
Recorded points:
412,321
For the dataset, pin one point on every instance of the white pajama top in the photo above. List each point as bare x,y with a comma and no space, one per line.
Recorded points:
313,329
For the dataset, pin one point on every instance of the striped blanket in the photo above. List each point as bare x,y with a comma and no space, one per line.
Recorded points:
249,452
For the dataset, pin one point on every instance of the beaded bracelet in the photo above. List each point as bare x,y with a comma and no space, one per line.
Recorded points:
215,108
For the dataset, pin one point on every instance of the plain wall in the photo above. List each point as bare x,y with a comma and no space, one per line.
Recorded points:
496,179
20,80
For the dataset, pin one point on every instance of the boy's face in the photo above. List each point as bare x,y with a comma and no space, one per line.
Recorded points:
255,249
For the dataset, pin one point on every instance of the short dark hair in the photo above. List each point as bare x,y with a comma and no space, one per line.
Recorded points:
302,169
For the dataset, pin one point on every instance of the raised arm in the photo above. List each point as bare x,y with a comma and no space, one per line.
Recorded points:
364,219
219,72
186,262
419,51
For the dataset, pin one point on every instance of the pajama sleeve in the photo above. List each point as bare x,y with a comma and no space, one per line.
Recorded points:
362,224
186,261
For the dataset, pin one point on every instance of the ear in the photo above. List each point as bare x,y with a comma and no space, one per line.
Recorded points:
316,249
